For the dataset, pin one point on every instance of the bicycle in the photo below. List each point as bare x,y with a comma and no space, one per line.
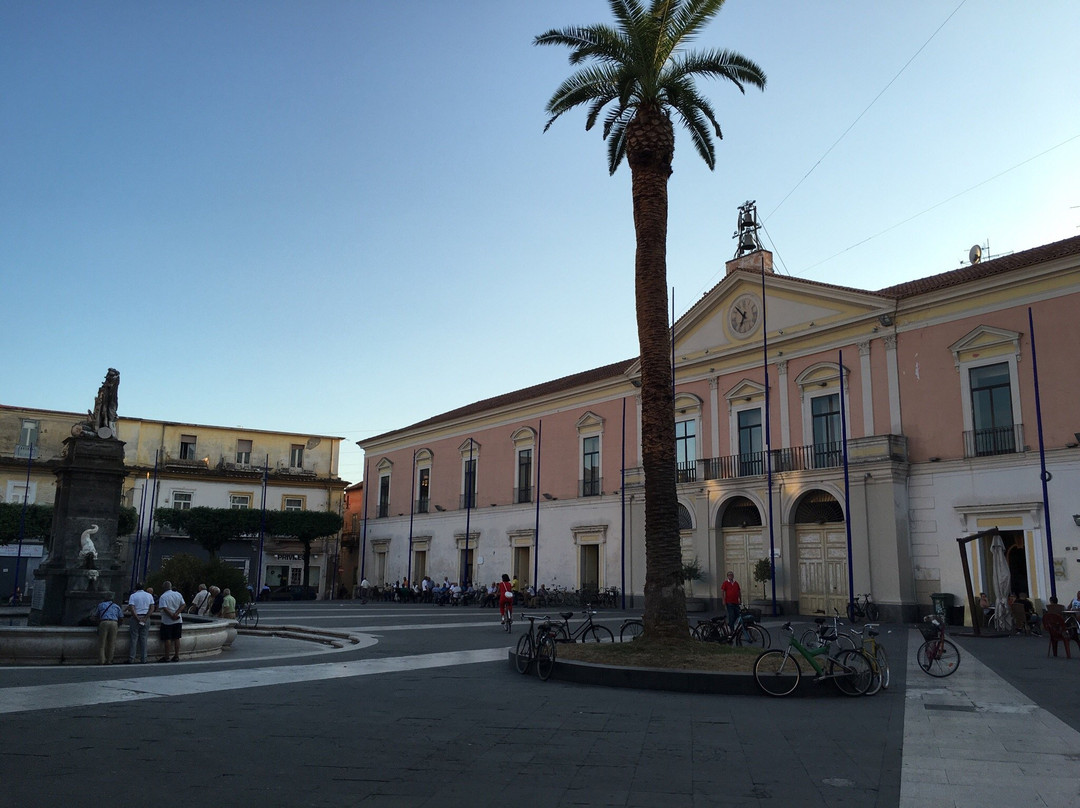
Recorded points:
824,633
777,673
248,615
745,631
536,646
586,630
876,652
857,610
631,629
937,656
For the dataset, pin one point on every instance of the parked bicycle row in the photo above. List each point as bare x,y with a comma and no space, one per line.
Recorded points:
450,593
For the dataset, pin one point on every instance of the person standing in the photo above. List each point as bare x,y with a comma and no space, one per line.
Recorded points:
228,605
171,606
140,606
108,615
199,603
732,598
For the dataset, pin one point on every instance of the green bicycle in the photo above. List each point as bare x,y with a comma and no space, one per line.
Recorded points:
777,673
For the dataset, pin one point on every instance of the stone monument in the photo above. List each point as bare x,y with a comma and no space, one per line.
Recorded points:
79,572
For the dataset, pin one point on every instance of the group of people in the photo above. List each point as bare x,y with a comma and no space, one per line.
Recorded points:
170,605
1032,619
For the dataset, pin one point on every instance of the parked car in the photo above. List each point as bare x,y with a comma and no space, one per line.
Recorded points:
294,592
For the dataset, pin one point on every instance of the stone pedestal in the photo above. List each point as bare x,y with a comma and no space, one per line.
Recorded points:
89,487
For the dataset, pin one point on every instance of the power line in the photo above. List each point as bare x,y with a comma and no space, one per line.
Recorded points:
945,201
868,106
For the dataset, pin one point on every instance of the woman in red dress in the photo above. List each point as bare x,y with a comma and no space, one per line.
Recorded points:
506,598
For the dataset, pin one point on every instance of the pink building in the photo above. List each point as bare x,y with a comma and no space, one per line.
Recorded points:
927,388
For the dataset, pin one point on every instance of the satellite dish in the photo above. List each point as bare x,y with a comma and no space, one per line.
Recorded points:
313,442
975,254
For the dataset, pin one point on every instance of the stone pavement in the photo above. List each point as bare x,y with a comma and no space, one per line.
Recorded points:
428,712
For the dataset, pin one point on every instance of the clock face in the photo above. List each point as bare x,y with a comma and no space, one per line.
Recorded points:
743,317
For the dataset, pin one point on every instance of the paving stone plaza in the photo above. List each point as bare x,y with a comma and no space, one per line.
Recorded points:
426,710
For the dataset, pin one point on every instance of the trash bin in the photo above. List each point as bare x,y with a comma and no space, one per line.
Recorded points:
956,615
943,602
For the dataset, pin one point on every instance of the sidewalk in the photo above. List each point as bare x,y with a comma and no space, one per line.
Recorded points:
973,739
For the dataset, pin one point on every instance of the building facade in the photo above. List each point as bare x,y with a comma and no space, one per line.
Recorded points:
851,435
178,465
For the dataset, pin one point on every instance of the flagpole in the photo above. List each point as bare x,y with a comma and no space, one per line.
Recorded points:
847,498
536,527
150,523
262,526
768,435
22,517
1044,475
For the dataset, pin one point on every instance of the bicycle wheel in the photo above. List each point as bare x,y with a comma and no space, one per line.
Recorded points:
854,613
810,638
509,621
882,660
846,642
776,673
877,679
525,653
872,612
545,657
631,630
250,618
938,657
598,634
853,671
751,636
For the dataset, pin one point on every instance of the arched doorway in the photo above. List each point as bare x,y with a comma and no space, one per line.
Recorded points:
739,528
822,551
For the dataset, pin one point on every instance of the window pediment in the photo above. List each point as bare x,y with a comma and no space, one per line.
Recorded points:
985,342
469,448
745,390
523,437
384,465
687,404
590,423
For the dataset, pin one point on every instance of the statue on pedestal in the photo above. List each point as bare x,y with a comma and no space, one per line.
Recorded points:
101,421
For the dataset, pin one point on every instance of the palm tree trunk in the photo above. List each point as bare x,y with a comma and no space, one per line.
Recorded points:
650,146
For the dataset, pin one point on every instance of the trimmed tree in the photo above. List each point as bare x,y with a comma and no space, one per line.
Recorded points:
641,71
305,527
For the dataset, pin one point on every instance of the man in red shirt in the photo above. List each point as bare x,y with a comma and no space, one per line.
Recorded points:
732,598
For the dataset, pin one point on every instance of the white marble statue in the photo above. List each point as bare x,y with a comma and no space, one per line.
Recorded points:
88,551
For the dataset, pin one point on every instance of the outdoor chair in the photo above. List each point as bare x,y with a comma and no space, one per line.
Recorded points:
1055,630
1020,619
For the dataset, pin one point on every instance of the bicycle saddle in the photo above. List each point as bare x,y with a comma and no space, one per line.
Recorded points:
566,615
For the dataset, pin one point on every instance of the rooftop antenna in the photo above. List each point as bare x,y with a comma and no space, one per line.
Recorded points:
748,227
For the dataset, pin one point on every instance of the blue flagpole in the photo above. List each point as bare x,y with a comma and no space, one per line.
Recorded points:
536,496
262,527
768,436
1044,475
150,524
22,517
363,538
847,498
138,534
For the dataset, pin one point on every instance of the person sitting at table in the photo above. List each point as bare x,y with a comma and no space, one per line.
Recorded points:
1075,605
1053,607
1029,612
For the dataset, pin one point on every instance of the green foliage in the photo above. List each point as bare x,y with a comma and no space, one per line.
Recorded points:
211,527
763,570
691,570
186,572
643,65
304,526
39,521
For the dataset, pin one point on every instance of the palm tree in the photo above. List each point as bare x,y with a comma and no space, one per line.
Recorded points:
641,70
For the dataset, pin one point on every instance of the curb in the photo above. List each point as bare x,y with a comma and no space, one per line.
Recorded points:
678,681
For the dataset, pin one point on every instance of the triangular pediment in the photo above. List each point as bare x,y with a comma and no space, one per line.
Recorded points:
731,316
985,341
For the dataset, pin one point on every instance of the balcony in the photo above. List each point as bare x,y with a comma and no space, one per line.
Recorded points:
995,441
421,505
875,448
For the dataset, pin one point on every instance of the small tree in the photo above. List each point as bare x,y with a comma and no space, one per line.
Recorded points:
691,571
763,571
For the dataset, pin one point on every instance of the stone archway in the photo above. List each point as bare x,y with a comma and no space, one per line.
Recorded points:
821,545
739,532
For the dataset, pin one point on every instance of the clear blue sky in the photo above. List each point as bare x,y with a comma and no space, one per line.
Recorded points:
345,217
